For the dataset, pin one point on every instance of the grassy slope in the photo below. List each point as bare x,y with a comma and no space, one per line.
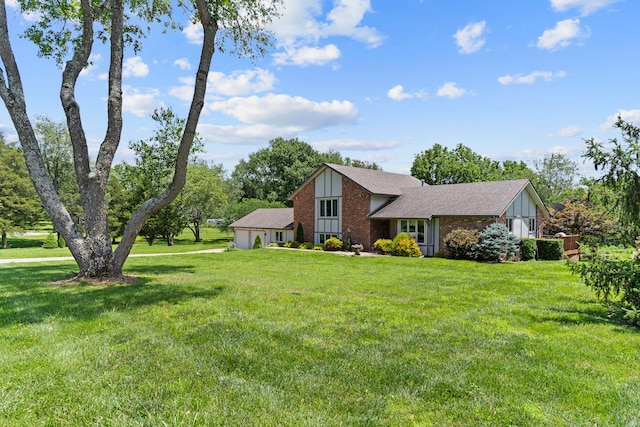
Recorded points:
302,338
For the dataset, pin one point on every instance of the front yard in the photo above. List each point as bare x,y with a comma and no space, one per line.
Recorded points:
295,338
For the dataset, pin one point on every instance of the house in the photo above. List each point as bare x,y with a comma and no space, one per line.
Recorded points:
272,225
367,205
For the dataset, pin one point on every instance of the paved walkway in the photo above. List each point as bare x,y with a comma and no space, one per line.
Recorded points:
70,258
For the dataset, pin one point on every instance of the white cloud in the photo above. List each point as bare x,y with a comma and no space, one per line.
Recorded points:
193,32
303,24
134,67
632,116
568,132
530,78
345,20
140,103
561,35
586,6
287,111
183,63
185,91
306,55
354,145
470,38
239,83
450,90
397,93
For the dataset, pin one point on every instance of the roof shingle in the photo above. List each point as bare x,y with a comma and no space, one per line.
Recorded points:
270,218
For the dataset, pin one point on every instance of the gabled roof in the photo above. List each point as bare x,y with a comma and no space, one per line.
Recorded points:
471,199
269,218
373,181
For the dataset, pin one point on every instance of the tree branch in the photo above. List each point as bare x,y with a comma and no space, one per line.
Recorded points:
154,204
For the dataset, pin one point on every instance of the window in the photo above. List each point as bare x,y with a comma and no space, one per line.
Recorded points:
532,224
279,236
328,208
414,228
510,225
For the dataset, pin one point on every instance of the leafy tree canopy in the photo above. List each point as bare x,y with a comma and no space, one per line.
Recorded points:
619,161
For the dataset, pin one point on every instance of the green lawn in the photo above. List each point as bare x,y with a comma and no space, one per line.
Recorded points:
30,246
301,338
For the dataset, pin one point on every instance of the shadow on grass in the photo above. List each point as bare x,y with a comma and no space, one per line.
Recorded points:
27,294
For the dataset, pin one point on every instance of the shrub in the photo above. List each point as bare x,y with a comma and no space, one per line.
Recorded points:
550,249
300,233
462,243
438,254
291,244
383,246
306,245
527,249
497,244
273,245
333,244
403,245
257,244
51,242
616,283
318,248
61,242
231,246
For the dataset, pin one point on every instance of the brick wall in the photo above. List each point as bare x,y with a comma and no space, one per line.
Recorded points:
303,206
447,224
355,208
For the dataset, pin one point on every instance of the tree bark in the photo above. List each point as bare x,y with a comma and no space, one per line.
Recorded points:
4,240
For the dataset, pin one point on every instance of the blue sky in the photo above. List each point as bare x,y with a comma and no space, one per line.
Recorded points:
382,80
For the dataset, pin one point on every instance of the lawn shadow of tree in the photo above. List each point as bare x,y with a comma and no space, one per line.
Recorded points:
34,293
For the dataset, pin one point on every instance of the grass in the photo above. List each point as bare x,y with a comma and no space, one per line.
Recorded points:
300,338
30,245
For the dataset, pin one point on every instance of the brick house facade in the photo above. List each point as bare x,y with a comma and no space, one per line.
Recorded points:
367,205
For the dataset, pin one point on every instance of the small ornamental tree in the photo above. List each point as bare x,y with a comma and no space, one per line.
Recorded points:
257,243
300,233
616,283
497,244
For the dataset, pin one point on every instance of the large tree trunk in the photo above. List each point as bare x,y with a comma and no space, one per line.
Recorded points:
4,240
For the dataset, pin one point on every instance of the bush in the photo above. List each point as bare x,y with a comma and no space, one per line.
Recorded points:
318,248
403,245
497,244
384,246
51,242
306,245
231,246
438,254
257,244
291,244
527,249
550,249
300,233
273,245
616,283
61,242
333,244
462,243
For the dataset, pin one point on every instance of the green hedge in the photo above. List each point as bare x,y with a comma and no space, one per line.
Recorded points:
527,249
550,249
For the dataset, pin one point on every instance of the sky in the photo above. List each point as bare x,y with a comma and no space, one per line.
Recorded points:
379,80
